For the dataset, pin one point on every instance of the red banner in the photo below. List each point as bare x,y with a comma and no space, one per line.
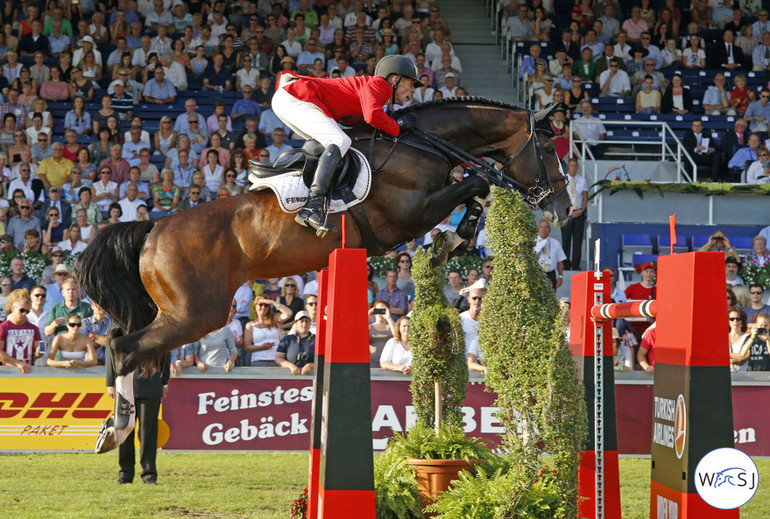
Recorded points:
274,414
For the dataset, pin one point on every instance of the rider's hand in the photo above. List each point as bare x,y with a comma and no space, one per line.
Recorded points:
407,122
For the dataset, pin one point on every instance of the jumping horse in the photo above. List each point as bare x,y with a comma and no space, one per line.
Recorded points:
168,282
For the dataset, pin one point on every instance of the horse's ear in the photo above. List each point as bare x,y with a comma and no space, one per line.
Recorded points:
545,113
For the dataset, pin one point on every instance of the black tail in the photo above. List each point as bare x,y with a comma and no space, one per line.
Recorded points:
108,271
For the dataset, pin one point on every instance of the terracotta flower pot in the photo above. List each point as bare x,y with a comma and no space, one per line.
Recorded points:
434,477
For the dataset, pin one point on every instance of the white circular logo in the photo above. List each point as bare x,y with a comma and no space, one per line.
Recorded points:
726,478
680,427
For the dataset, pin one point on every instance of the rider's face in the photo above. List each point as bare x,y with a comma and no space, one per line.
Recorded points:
404,90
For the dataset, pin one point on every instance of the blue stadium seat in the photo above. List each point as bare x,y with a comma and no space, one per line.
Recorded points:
742,244
633,243
640,258
700,240
664,244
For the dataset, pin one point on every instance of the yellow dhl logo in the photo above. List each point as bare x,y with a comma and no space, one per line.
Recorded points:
53,405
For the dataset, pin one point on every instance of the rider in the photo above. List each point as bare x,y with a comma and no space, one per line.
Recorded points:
311,106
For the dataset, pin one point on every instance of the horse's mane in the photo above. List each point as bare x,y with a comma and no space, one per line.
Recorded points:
458,101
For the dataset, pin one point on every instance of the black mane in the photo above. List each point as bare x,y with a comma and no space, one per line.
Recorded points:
458,101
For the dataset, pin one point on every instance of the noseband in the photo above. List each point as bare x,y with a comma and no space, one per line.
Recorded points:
543,188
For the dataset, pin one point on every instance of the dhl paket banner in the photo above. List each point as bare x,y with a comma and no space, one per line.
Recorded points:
52,413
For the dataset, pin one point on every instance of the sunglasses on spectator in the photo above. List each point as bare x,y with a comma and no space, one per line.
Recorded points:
756,292
736,319
264,155
38,295
74,325
262,305
23,311
24,207
477,298
311,304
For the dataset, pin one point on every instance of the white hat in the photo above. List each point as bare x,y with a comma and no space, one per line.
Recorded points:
86,38
61,267
300,315
450,74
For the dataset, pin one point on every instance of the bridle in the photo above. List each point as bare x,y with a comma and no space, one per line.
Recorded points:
543,188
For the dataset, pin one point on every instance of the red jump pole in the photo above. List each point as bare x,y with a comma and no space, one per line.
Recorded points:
598,479
313,487
347,463
621,310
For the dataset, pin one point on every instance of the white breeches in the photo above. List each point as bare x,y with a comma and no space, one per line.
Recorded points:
308,121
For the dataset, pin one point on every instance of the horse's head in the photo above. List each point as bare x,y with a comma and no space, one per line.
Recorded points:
534,169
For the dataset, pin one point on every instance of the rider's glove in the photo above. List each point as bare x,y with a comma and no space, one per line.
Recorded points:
407,122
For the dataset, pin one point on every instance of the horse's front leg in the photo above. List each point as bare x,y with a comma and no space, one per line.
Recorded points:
439,204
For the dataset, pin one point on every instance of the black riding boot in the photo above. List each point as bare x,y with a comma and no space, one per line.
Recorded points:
312,214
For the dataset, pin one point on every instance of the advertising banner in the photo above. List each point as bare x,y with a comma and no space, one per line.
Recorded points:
274,414
52,413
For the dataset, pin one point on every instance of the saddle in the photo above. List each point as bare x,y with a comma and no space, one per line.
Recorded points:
291,174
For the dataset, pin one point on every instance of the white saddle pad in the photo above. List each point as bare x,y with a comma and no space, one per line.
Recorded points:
292,191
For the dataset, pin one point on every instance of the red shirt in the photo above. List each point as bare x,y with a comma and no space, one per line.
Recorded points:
362,96
20,340
637,292
648,343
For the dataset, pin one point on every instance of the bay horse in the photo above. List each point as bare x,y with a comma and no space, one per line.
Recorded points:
168,282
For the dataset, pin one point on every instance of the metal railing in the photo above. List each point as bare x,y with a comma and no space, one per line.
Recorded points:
670,148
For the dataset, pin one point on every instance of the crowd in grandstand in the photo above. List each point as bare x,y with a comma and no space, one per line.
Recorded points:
672,60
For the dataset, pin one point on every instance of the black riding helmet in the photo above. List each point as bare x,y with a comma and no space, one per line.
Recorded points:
395,64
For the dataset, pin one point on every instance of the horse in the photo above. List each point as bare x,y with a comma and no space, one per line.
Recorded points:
170,281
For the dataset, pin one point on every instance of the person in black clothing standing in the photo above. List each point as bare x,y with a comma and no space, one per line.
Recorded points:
148,392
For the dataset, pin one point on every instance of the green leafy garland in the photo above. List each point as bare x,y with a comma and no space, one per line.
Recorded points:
463,264
530,367
753,275
699,188
438,346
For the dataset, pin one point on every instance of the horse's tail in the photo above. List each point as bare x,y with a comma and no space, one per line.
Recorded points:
108,271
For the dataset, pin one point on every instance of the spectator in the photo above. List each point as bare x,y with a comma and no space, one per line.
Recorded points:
747,42
54,230
18,278
193,199
648,100
758,112
37,316
741,95
5,293
614,82
759,256
29,188
519,27
72,242
645,289
700,13
133,147
744,157
216,349
130,204
297,350
166,195
716,99
19,224
454,286
394,296
216,76
610,24
80,85
740,340
71,306
158,90
117,165
13,106
759,356
78,119
727,55
646,356
92,210
55,89
760,56
57,257
731,272
603,62
756,173
469,319
33,42
247,107
676,98
756,293
591,42
671,55
694,56
397,353
105,191
702,147
278,145
549,254
589,129
74,349
585,68
20,352
261,336
635,26
653,51
733,141
122,101
32,243
528,61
